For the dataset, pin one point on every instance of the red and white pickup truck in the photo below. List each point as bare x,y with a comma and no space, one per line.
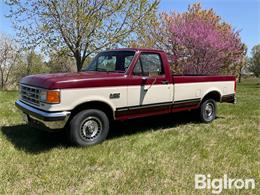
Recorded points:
119,84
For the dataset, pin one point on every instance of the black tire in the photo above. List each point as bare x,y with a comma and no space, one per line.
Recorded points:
208,110
88,127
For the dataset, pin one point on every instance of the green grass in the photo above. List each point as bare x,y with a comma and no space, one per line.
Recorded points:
158,155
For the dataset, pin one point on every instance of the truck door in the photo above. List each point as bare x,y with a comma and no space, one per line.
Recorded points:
149,90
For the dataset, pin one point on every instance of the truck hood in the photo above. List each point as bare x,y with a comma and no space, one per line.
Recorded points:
74,80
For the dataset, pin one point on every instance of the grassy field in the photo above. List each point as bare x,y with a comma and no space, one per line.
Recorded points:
158,155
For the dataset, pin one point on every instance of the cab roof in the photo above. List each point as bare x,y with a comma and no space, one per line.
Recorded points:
137,49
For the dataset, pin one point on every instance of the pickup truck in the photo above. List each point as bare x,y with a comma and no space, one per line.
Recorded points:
119,84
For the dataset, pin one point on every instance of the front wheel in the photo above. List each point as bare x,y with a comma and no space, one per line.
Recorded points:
88,127
208,111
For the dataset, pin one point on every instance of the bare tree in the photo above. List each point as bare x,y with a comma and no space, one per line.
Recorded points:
255,61
59,62
9,57
79,27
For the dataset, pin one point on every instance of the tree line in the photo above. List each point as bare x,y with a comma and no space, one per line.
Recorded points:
62,36
17,62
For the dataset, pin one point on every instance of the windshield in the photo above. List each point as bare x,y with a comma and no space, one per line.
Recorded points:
111,61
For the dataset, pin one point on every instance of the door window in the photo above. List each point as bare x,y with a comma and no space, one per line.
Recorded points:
149,65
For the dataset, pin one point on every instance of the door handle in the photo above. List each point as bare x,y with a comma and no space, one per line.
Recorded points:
165,82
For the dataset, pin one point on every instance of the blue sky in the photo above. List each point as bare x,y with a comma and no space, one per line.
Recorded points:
243,15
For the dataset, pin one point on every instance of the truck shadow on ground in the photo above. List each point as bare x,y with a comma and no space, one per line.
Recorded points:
35,141
155,123
32,140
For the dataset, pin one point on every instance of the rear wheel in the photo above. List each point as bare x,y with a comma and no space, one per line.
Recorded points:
208,110
88,127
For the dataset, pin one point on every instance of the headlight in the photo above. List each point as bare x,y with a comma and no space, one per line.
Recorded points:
50,96
43,95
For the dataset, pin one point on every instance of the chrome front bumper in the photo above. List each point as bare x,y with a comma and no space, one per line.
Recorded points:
50,120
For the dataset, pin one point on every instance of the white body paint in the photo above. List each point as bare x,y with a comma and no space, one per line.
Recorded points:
138,95
185,91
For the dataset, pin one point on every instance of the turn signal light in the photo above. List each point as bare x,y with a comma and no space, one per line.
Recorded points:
53,97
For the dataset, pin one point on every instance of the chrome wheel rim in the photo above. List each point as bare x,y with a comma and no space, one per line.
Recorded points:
90,128
209,109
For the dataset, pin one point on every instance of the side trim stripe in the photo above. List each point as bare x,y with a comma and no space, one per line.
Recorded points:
177,104
150,109
186,103
144,106
188,100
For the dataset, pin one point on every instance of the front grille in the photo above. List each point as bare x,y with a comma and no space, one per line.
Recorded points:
30,94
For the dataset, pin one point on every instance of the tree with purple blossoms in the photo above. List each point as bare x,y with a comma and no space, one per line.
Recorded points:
203,43
197,41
